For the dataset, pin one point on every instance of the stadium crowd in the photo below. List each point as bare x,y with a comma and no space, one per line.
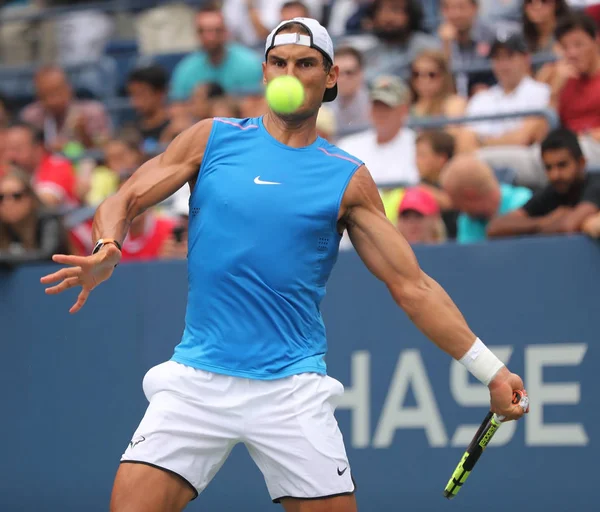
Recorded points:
477,118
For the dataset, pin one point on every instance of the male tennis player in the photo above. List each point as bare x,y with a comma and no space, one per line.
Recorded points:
269,202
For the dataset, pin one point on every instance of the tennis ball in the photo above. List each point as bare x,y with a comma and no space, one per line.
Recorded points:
285,94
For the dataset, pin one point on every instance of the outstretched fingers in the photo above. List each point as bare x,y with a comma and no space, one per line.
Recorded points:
69,282
81,300
63,273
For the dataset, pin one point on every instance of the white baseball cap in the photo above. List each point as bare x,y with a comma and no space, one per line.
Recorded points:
317,38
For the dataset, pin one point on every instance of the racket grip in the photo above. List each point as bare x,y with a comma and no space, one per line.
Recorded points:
519,398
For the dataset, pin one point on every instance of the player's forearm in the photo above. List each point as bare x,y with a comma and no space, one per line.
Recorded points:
431,309
113,218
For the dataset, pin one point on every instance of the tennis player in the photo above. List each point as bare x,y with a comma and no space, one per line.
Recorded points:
269,203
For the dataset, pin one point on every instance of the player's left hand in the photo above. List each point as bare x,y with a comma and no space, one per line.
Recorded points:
501,389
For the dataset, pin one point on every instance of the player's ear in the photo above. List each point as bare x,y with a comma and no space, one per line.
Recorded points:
332,76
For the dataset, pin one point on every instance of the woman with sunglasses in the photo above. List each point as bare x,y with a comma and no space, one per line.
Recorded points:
27,231
539,21
432,87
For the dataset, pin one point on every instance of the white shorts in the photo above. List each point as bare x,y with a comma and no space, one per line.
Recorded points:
196,417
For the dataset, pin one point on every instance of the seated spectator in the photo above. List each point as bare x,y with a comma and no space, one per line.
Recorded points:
477,195
433,151
419,218
503,13
229,64
181,117
63,118
466,39
388,149
397,37
326,124
591,226
516,92
571,197
539,22
352,107
576,82
147,234
53,176
224,107
27,231
253,104
289,10
147,90
432,86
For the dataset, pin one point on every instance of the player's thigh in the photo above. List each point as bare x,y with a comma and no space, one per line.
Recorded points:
143,488
337,504
297,444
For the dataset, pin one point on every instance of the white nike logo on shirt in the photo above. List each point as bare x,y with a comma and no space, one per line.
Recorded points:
258,181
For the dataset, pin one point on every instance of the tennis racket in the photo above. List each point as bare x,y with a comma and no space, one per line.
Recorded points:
483,436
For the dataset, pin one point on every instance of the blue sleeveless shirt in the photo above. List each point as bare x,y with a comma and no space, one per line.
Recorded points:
262,242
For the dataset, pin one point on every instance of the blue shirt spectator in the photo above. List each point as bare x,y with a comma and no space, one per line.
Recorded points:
232,66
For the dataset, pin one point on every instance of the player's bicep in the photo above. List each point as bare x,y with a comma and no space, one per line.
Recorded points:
380,245
163,175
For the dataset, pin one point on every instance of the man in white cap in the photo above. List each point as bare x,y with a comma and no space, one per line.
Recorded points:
269,202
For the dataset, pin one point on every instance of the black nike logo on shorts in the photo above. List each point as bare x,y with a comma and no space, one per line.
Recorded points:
340,473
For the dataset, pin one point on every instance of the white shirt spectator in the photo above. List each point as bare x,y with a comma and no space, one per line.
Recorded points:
391,163
529,95
238,22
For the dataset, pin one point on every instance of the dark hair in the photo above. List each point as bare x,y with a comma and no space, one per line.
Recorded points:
37,135
292,27
295,3
209,7
414,12
442,143
352,52
154,76
562,138
530,31
575,21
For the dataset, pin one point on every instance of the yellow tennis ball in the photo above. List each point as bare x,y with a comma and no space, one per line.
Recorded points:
285,94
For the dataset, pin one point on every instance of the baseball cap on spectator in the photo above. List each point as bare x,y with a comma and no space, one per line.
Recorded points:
390,90
513,42
419,200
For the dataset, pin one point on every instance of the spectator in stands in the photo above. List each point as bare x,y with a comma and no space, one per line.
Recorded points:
27,231
434,149
253,104
397,27
148,234
477,194
419,218
388,149
175,247
326,124
352,106
432,87
53,176
250,21
224,106
229,64
539,22
576,82
515,92
63,118
465,38
147,90
571,197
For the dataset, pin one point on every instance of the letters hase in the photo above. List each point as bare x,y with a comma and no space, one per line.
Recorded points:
410,373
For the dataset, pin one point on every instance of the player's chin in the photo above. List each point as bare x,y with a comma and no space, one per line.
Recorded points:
302,114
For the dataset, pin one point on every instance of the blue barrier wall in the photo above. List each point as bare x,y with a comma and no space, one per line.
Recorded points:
71,385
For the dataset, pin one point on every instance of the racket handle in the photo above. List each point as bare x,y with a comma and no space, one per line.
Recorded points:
519,398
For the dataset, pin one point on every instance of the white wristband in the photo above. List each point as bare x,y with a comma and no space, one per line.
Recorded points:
481,362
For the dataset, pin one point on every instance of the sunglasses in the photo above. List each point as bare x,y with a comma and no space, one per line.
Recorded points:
425,74
15,196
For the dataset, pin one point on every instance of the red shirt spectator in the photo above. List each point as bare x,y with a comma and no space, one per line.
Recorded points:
579,105
53,176
146,237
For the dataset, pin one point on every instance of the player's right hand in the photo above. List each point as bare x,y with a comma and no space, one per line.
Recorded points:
85,271
501,389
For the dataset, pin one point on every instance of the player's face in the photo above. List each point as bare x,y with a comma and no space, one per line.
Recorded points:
580,50
16,202
562,169
306,64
